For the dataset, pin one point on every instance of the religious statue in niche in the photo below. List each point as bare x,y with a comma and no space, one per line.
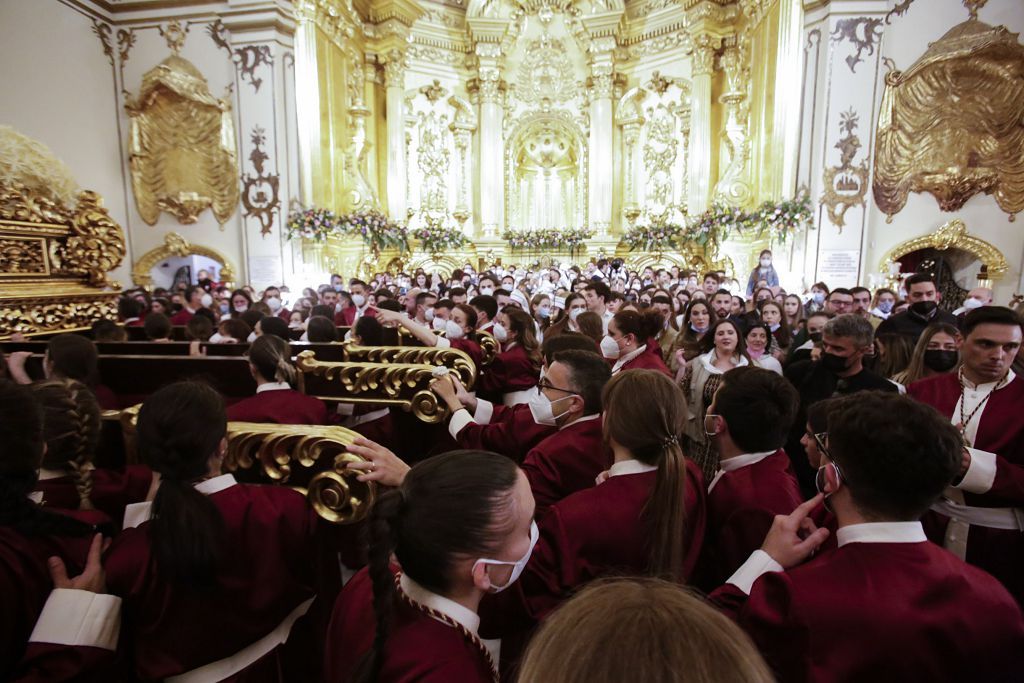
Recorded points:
950,125
182,149
846,184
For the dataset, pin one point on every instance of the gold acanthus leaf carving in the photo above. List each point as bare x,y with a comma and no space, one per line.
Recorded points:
183,150
30,315
95,245
455,360
950,125
22,256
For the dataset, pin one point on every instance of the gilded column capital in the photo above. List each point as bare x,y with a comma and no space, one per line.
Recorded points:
394,64
704,47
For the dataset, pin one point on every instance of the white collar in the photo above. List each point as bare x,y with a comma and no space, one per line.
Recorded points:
881,532
469,619
731,464
131,320
630,467
486,326
628,357
45,474
36,497
607,315
585,418
708,359
988,386
137,513
272,386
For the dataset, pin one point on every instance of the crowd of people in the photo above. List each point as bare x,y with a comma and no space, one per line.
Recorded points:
660,475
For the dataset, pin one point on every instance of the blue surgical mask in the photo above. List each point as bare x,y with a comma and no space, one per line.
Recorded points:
885,306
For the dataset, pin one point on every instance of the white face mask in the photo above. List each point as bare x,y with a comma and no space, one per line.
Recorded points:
542,409
972,303
609,348
575,313
518,566
358,300
274,303
241,308
304,337
439,324
251,338
337,307
338,288
500,333
224,309
428,314
206,301
453,331
487,291
766,263
216,338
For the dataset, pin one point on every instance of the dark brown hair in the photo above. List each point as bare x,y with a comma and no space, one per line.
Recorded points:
524,332
75,357
71,430
645,413
643,326
271,356
758,405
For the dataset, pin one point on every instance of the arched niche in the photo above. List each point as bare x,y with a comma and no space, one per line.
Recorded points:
952,235
177,246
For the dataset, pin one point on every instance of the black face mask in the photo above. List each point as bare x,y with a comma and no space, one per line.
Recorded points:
924,308
814,336
833,363
939,360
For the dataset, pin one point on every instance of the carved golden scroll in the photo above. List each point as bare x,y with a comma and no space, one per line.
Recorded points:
950,125
457,361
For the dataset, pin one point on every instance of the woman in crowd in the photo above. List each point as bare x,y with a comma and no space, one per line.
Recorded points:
231,331
591,325
630,343
540,309
793,312
240,303
697,320
660,632
764,272
758,339
458,329
71,432
782,337
460,526
682,297
321,330
213,574
935,353
575,304
893,352
883,303
68,356
275,400
512,375
723,349
819,293
30,535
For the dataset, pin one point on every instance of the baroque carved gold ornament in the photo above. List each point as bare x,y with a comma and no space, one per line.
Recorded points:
951,124
845,184
182,151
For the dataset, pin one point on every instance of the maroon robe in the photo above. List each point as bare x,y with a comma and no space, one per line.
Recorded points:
471,348
182,317
512,432
269,569
25,584
882,612
419,648
1001,431
511,370
742,505
106,398
650,359
347,316
112,490
566,462
281,406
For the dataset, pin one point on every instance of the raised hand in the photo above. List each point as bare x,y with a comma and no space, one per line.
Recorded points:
794,537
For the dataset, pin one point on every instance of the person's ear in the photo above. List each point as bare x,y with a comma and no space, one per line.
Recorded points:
832,482
481,580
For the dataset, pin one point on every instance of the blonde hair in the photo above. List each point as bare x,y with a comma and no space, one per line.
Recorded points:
71,429
658,631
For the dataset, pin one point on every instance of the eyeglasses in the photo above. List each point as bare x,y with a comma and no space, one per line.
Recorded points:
821,439
545,384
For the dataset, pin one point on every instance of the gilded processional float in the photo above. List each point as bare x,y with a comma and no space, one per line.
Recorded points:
546,131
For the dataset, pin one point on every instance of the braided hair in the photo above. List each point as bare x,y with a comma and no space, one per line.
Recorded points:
449,506
271,357
180,428
21,451
71,429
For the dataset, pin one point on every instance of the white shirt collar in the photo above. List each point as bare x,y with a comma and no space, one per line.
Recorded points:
628,357
881,532
708,360
137,513
1010,376
732,464
272,386
585,418
45,474
630,467
469,619
36,497
486,326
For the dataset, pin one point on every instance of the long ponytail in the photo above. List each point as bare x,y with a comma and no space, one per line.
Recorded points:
271,356
645,413
180,428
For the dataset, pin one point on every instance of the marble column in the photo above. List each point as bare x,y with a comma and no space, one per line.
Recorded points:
601,141
704,46
488,91
394,82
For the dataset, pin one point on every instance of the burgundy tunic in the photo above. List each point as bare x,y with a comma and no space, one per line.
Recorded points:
269,570
882,612
112,490
419,647
182,317
1001,431
512,431
741,508
650,359
347,317
281,406
511,370
566,462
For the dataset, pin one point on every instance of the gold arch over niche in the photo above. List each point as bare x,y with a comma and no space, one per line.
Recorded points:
952,235
176,245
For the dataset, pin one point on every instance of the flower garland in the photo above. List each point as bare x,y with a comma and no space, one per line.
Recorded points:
438,238
376,230
553,239
658,238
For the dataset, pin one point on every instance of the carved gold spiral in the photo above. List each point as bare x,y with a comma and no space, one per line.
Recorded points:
489,346
455,360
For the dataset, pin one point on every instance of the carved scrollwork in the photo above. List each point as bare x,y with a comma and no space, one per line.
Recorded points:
952,235
176,245
30,315
455,360
23,256
489,346
309,458
863,32
96,244
846,185
260,193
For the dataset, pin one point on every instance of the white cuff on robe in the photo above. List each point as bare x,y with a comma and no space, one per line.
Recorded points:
981,473
443,343
79,618
460,418
346,408
757,564
484,412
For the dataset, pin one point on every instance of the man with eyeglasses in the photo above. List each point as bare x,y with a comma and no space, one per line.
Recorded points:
885,604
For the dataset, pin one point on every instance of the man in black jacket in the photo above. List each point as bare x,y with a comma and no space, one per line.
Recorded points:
924,309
